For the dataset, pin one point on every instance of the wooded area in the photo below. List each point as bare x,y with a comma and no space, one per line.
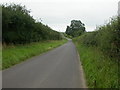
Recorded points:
18,27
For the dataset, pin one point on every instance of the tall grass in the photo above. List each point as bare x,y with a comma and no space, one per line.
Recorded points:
100,70
15,54
100,55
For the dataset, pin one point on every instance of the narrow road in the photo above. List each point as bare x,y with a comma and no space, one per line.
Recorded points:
58,68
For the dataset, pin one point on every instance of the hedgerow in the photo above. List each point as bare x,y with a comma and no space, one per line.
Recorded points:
19,27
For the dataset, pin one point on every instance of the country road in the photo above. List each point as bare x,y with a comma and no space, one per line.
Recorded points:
58,68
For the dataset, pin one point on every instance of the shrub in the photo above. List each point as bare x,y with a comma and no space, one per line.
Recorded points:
106,37
20,28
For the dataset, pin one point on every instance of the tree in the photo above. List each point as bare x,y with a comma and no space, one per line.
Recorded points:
76,28
18,27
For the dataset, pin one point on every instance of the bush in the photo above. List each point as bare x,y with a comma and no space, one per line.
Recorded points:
20,28
106,37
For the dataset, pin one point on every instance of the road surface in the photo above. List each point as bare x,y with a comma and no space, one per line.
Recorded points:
58,68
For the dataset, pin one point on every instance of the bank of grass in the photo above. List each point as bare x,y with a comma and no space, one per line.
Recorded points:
100,70
12,55
0,56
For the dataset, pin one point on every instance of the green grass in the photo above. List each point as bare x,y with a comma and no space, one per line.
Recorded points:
0,56
100,71
12,55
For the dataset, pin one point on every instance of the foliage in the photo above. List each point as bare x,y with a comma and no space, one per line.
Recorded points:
20,28
100,70
68,36
76,28
106,37
100,53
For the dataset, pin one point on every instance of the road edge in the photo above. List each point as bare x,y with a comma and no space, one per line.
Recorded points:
84,83
31,58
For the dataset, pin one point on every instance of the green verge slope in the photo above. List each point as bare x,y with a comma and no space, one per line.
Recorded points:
12,55
100,71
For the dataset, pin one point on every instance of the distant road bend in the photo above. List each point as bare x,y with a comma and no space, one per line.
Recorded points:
58,68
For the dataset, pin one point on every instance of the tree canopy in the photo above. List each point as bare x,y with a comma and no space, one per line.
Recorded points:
18,27
76,28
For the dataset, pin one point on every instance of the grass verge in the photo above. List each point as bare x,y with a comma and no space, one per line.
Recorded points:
100,70
12,55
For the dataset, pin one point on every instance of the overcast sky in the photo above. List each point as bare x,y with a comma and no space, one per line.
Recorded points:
58,13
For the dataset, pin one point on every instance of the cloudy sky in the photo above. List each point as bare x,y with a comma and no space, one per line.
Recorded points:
58,13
